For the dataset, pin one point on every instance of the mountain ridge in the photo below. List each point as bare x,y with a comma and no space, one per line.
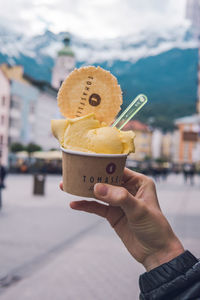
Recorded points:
164,67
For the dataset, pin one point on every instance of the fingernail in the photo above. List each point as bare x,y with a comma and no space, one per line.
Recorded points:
101,189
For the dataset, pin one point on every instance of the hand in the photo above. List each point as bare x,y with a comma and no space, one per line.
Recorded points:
134,213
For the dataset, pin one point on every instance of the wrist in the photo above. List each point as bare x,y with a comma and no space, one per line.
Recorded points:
163,256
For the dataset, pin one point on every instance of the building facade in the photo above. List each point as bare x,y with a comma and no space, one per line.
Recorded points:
167,145
45,110
188,135
175,146
30,106
189,139
23,98
193,14
156,146
4,117
143,140
23,102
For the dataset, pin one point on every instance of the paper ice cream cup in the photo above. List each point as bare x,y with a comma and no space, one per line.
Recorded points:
81,170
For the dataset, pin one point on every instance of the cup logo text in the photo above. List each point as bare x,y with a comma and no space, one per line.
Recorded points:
94,100
110,169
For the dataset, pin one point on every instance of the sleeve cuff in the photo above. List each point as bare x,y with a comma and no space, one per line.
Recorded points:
166,272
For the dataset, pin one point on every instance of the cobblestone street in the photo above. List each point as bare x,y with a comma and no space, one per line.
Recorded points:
48,251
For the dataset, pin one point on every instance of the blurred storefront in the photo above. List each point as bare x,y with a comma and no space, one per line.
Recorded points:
37,162
189,139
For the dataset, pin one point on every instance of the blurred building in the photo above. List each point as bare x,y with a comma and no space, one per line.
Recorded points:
165,145
30,107
188,149
189,139
64,64
143,139
22,118
156,145
4,116
175,146
45,110
23,97
193,14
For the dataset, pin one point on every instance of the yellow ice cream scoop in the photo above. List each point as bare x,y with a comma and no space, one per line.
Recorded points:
87,134
110,140
58,128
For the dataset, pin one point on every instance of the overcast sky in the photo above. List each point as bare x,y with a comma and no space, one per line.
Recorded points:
91,18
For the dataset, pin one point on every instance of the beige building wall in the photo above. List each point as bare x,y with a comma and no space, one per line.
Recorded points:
175,146
143,142
189,139
167,145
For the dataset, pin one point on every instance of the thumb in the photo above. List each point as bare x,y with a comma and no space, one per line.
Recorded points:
116,196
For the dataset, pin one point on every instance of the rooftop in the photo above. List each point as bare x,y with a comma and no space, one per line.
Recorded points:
66,50
193,119
136,125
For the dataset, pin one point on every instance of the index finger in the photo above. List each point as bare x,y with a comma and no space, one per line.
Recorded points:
131,175
61,185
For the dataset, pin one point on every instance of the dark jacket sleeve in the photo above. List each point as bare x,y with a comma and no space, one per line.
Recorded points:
178,279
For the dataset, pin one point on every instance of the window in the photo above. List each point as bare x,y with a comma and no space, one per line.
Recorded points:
14,123
3,101
2,120
15,102
190,136
1,139
9,140
32,109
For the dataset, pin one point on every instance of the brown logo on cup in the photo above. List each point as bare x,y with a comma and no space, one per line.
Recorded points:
110,169
95,100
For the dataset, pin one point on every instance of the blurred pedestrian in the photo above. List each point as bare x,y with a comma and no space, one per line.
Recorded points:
2,175
134,213
189,172
192,173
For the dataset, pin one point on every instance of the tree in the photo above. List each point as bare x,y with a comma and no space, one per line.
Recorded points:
16,147
31,147
161,160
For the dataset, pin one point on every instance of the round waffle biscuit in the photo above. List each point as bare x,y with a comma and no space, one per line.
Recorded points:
90,90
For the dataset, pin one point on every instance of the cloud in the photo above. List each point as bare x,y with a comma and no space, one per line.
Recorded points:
98,19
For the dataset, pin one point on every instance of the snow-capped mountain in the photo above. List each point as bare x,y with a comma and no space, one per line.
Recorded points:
161,64
127,48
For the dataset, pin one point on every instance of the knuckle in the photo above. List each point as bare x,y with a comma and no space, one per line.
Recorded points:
121,195
150,182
